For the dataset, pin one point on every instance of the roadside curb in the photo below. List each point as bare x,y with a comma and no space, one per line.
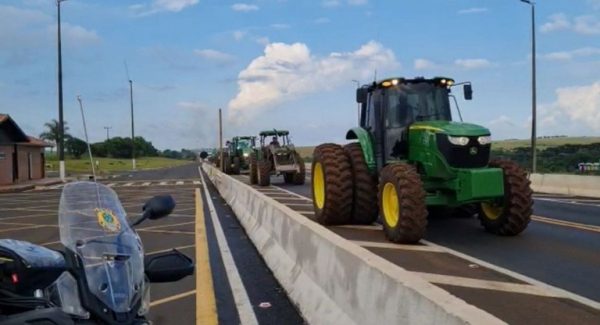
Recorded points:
28,187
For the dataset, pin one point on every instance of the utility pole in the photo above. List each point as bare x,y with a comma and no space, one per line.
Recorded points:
533,90
61,123
132,125
107,138
221,142
358,86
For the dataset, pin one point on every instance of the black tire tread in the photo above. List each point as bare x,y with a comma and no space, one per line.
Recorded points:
264,173
364,208
299,178
253,166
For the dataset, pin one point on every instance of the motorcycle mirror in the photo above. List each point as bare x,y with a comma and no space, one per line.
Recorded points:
157,207
168,266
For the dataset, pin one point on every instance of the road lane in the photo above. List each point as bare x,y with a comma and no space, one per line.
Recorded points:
562,256
32,216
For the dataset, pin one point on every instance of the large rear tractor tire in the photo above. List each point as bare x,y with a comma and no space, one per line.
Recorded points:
227,164
364,187
253,166
402,203
237,165
331,185
264,172
299,178
512,214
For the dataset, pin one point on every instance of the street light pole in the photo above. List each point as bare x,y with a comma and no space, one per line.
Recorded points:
533,90
107,138
132,125
358,104
61,123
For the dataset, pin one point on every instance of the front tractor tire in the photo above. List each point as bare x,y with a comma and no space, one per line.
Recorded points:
299,178
227,164
512,214
364,187
402,204
237,165
253,166
331,185
264,172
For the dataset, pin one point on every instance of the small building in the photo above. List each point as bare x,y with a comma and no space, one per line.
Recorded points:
21,157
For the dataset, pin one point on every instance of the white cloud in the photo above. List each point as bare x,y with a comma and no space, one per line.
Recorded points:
357,2
214,55
262,40
239,34
569,55
280,26
322,20
472,11
580,103
168,5
288,71
585,25
472,63
330,3
244,7
192,105
595,4
423,64
25,29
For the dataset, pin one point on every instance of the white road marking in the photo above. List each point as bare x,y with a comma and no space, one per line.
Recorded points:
597,203
240,295
179,183
558,291
397,246
279,197
111,184
299,204
146,184
162,183
128,184
197,182
486,284
362,227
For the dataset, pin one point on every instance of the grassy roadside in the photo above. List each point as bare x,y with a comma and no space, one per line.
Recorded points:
108,165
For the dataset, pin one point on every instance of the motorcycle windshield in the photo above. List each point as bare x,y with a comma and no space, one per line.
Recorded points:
94,225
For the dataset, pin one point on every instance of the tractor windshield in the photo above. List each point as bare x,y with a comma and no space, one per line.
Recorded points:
243,143
416,102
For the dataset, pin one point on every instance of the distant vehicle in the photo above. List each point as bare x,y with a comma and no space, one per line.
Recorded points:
276,158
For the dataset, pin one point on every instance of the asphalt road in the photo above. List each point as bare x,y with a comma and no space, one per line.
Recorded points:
257,298
561,254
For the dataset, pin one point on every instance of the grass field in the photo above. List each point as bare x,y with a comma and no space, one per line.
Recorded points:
507,144
113,165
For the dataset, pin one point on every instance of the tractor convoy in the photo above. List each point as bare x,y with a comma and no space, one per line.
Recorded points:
407,160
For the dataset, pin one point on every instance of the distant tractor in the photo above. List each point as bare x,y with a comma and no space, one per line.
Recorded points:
237,153
276,158
410,159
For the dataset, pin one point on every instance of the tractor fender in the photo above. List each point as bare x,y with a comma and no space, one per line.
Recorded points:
364,138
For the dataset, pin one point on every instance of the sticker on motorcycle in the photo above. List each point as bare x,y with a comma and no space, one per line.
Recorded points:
108,220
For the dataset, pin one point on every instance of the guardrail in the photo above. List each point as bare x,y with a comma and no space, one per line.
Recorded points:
575,185
334,281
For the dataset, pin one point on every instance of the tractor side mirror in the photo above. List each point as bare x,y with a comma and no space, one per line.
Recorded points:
361,95
468,90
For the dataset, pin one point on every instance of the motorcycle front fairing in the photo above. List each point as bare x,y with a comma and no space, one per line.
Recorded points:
104,254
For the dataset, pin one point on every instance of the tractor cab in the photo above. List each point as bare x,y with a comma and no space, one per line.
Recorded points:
392,107
243,145
275,140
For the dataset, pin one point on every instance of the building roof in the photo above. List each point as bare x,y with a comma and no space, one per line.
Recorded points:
20,137
39,143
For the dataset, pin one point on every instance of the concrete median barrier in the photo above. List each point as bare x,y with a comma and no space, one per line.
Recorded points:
334,281
574,185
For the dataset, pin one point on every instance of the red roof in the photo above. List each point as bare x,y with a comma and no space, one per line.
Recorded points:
37,142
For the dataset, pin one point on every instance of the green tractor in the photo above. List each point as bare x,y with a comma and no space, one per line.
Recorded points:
411,159
237,153
276,159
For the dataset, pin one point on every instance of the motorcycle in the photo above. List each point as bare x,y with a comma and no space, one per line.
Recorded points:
102,277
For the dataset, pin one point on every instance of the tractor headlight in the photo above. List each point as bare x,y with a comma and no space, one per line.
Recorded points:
485,140
245,154
458,141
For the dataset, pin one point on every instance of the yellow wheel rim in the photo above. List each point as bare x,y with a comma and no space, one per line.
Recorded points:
389,202
490,211
319,185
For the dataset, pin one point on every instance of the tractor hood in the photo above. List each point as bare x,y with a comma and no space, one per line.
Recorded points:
451,128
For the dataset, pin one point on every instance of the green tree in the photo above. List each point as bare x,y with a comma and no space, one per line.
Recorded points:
52,131
75,147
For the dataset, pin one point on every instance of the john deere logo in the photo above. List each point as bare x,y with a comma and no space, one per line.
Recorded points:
473,151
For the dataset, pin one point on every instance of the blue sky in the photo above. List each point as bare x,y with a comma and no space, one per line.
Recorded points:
289,63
